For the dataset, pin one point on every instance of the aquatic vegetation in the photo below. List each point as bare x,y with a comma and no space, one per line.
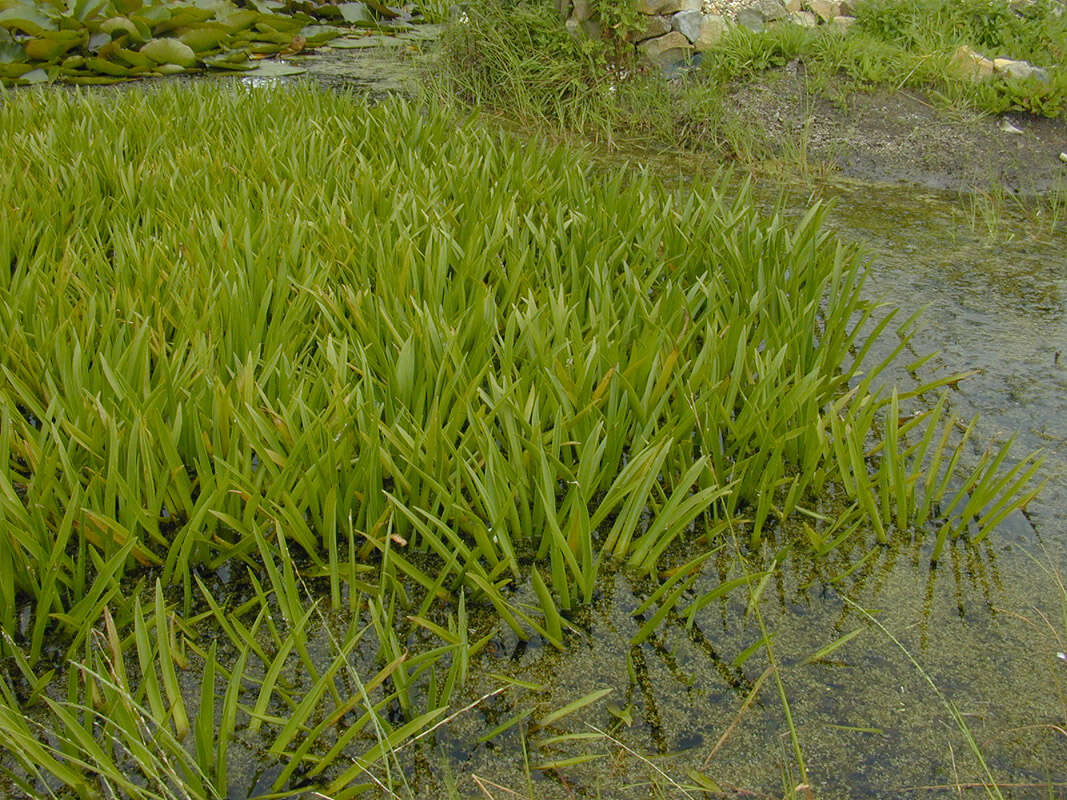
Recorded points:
110,41
415,378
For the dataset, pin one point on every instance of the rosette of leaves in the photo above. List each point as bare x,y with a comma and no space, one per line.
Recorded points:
109,41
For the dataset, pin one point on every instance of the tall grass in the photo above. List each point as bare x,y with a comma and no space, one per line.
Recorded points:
292,334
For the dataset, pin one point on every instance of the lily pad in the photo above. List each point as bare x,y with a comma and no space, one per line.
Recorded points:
42,49
119,24
204,37
275,69
378,41
170,51
26,19
317,34
346,43
355,12
34,76
11,52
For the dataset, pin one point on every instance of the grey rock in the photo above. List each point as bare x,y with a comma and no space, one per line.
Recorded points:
825,10
666,6
1019,69
712,29
751,19
967,63
653,26
663,51
805,19
687,23
770,10
843,23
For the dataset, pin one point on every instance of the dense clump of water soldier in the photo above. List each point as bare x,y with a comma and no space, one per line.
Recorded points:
289,332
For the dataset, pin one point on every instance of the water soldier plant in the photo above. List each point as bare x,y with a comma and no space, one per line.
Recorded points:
289,384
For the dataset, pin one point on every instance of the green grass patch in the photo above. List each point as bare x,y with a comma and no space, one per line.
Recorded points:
417,361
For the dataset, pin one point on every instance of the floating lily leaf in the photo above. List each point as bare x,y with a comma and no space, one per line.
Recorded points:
278,22
170,69
11,52
74,62
14,70
238,19
316,34
355,12
275,69
377,41
34,76
265,48
105,67
232,60
170,51
347,43
135,59
205,37
87,9
47,49
26,19
152,16
424,32
99,40
116,24
183,16
97,80
383,9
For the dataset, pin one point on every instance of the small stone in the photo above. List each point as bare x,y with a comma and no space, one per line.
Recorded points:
666,6
751,19
843,23
966,63
653,26
1063,157
770,10
712,29
1006,126
805,19
664,51
687,23
825,10
792,6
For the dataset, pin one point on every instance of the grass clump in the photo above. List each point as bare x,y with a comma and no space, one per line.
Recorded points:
518,60
423,371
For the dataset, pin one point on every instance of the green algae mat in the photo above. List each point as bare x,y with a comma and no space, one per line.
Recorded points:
302,406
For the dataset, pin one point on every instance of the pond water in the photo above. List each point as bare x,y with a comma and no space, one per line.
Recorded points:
986,625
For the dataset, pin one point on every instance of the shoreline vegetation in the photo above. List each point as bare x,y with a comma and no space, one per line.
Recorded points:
305,410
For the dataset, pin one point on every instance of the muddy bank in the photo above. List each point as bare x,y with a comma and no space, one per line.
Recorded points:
901,137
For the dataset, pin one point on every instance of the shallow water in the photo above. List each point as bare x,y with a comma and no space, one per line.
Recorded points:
982,625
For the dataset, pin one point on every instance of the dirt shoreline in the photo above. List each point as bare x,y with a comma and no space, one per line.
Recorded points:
900,137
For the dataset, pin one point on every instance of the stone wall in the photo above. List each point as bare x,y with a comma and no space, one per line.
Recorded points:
672,31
